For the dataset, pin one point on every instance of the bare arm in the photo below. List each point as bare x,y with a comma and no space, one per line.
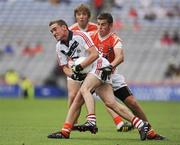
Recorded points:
93,55
119,56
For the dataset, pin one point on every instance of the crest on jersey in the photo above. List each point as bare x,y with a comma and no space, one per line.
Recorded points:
72,49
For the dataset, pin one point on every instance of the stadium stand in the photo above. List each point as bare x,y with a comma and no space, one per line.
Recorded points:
27,22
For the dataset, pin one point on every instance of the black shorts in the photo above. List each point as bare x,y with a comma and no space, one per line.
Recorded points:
123,93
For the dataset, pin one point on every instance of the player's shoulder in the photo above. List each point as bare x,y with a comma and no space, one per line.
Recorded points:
93,33
115,37
74,27
58,45
92,26
81,36
79,33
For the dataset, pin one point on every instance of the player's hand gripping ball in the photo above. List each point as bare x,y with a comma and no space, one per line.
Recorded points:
77,67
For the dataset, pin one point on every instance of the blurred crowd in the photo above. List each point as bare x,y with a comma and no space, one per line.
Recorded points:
13,78
147,10
173,71
167,39
26,50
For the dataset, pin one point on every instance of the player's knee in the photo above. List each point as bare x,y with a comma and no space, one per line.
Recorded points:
84,90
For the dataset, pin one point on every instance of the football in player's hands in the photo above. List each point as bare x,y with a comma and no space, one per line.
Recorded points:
78,62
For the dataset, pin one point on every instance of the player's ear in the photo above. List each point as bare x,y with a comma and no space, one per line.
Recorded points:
111,25
64,27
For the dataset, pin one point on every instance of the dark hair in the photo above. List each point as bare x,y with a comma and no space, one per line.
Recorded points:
106,16
82,8
59,22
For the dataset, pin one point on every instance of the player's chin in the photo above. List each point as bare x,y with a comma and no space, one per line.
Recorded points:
58,38
102,33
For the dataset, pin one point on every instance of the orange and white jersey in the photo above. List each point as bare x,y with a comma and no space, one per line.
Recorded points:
106,44
90,27
106,47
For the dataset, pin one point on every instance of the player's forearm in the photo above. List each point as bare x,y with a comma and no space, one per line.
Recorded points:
117,61
93,55
119,57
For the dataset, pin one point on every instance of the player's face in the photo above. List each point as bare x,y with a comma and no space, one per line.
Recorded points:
82,18
58,31
104,27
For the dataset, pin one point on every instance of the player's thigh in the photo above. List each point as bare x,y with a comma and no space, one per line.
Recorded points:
105,92
73,88
90,83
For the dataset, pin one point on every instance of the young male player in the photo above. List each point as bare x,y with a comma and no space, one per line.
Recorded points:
82,15
72,45
110,46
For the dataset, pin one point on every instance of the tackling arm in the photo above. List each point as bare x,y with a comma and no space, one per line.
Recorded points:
119,55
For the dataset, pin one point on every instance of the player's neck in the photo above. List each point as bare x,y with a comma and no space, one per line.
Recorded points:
83,27
103,37
65,37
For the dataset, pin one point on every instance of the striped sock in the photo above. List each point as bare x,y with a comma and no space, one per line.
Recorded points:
66,129
91,118
138,123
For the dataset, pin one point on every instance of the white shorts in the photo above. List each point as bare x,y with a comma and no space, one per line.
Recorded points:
97,64
100,63
118,81
68,78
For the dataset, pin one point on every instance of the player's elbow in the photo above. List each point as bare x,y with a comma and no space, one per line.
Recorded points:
122,59
95,55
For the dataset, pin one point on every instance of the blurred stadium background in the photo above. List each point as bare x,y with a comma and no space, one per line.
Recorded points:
150,30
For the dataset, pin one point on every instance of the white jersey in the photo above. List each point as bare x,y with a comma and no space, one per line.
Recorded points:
77,46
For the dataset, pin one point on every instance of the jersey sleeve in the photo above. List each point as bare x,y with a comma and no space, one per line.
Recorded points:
74,27
85,40
118,45
61,58
117,41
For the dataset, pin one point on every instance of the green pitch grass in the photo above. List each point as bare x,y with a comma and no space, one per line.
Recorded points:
28,122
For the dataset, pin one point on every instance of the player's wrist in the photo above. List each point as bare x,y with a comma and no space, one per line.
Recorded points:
79,67
112,66
74,76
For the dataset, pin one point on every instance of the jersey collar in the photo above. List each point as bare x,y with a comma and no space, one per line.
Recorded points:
105,37
70,35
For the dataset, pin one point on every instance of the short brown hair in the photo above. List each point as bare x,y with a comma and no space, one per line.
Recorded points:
106,16
83,8
59,22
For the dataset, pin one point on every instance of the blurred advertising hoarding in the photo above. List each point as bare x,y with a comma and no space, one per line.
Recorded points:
141,91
